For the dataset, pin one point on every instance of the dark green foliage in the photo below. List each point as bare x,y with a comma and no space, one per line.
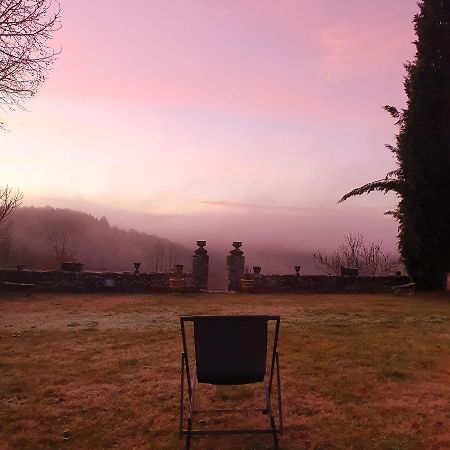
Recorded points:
422,151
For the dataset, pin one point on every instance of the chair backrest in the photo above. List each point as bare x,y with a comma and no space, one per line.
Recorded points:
230,349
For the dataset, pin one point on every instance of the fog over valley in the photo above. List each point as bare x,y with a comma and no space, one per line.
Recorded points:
274,238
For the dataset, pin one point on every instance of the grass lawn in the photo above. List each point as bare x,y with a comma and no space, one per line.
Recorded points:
358,371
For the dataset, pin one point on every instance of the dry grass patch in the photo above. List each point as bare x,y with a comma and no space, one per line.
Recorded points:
93,371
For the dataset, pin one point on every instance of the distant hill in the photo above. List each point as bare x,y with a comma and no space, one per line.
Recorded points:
43,237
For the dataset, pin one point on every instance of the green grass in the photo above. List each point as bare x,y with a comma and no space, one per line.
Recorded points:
358,371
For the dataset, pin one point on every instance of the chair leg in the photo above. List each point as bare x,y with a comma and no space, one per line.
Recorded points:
181,395
274,433
280,405
188,435
193,392
271,418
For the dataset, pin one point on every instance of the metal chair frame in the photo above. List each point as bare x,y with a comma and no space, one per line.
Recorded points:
190,380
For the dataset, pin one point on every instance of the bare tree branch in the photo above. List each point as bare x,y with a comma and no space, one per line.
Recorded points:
9,201
369,258
25,28
161,256
6,238
59,240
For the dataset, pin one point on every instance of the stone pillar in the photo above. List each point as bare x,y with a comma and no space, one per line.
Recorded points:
200,264
235,267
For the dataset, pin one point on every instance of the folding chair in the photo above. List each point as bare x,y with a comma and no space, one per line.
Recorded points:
230,350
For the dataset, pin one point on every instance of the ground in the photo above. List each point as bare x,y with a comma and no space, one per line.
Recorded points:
102,371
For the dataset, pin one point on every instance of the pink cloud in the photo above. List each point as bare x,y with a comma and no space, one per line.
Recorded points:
248,58
258,207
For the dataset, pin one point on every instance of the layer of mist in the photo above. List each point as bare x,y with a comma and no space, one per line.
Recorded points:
274,240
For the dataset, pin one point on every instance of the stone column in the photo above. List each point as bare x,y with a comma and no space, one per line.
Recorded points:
235,267
200,264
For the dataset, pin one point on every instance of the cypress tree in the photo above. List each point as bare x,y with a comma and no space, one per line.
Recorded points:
422,152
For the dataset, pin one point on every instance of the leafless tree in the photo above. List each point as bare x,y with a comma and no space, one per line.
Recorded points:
161,256
170,259
59,239
329,264
390,263
346,255
368,257
6,238
26,26
154,256
9,201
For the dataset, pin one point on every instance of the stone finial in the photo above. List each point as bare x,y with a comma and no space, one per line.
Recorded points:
201,248
256,270
297,270
237,249
137,265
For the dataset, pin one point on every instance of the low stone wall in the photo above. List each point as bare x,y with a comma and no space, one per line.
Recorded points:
59,280
324,283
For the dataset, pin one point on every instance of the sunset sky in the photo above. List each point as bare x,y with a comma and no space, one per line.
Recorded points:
215,109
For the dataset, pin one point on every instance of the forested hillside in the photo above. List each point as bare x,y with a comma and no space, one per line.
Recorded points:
44,237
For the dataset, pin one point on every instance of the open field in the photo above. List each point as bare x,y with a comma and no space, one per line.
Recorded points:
358,371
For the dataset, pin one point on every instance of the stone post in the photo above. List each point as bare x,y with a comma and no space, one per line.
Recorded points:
200,264
235,267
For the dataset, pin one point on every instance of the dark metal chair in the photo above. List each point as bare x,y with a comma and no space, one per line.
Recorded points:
231,350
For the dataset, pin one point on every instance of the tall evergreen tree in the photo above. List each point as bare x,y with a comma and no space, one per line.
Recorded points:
422,152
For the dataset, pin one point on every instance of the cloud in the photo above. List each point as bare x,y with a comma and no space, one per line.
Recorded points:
263,207
351,51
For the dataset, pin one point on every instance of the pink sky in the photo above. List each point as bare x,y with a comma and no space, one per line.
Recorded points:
194,108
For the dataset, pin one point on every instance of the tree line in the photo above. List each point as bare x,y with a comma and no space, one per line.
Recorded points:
43,237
